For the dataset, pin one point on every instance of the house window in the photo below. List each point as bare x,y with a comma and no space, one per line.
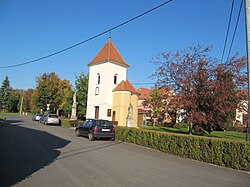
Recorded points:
115,79
97,91
109,112
98,78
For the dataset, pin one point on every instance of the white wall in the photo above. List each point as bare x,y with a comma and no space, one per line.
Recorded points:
107,71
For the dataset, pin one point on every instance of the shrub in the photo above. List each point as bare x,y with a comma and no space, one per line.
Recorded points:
65,122
221,152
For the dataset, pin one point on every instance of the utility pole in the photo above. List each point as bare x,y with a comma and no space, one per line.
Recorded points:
21,107
247,17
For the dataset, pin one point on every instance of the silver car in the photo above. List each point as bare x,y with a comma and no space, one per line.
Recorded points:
51,119
36,117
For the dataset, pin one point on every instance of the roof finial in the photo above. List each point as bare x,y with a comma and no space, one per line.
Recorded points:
109,45
109,34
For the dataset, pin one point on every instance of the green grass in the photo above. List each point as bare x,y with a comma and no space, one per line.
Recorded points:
228,135
9,114
215,134
167,129
2,117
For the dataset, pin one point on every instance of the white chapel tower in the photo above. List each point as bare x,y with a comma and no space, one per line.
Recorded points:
106,71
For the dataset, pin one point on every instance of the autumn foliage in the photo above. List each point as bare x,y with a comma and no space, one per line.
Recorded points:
205,88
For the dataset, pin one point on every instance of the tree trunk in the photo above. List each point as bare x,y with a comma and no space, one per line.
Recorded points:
190,126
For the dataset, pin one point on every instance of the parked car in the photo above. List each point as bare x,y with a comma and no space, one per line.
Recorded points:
96,128
51,119
36,117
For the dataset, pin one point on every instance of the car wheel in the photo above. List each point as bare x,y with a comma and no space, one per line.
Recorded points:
91,138
77,132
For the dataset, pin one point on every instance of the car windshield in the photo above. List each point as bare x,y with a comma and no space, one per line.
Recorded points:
103,123
53,116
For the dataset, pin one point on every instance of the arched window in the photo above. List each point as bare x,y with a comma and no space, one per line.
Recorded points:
97,91
98,78
115,78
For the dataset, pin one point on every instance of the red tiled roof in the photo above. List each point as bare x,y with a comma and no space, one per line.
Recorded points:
165,91
145,93
108,53
125,86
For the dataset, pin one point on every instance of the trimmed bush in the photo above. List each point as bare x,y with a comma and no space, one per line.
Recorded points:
65,122
233,154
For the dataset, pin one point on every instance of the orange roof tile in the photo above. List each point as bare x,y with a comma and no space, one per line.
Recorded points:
108,53
145,93
125,86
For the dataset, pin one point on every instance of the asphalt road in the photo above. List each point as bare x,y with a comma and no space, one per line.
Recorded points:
36,155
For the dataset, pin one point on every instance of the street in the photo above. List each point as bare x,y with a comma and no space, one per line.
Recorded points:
36,155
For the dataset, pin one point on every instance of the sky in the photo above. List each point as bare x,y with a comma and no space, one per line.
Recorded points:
30,29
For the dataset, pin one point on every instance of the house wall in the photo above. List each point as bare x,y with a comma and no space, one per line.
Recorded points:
121,102
134,103
241,113
106,71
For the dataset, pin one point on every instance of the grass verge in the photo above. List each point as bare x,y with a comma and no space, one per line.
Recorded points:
240,136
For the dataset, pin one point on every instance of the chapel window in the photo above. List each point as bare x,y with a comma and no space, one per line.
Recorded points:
98,78
115,79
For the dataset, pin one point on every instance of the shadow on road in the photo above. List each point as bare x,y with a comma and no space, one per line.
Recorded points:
24,151
88,149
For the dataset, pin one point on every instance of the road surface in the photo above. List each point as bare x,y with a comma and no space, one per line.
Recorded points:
36,155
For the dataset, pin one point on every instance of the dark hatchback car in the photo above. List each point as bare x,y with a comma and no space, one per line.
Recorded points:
96,128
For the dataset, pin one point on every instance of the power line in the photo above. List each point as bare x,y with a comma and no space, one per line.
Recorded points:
228,27
89,39
235,30
141,83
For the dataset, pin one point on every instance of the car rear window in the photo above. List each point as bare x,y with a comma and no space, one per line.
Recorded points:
103,123
53,116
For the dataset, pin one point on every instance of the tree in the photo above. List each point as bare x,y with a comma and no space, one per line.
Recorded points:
27,99
50,90
13,100
229,80
155,103
205,88
81,84
159,103
4,94
65,94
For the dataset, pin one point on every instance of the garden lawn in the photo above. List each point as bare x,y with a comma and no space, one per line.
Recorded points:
2,117
215,134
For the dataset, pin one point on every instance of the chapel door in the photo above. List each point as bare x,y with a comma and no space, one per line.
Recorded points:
96,112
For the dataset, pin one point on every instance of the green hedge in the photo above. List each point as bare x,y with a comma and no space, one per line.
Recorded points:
221,152
65,122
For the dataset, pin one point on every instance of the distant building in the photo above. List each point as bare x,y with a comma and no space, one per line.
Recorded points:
241,116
